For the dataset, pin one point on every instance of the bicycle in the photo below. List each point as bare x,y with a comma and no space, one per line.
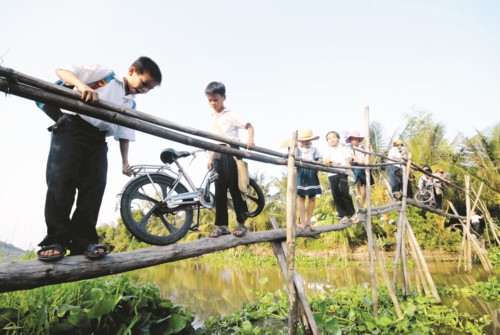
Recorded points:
157,208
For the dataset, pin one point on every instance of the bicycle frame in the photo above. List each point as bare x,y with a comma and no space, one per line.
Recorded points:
196,195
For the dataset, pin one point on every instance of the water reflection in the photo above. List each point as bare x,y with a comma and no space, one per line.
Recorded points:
217,290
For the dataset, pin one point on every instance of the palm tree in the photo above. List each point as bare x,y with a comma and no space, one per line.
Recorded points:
425,139
480,158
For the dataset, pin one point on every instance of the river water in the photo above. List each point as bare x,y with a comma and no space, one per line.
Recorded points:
211,290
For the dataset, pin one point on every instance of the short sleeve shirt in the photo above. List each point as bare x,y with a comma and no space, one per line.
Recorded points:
228,123
336,155
113,92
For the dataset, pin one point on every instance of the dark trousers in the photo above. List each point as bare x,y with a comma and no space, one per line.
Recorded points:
225,166
77,162
396,182
341,196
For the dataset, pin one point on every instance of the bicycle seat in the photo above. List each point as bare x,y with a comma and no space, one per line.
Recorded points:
170,155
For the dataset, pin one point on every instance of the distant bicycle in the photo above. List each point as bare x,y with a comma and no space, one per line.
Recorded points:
157,208
425,196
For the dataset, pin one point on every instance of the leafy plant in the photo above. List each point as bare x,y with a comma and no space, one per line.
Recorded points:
349,311
112,305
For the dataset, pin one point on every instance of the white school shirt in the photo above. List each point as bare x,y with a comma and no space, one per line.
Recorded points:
475,219
395,154
229,123
113,92
337,156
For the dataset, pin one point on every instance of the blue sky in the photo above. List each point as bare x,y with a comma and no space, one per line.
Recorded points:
286,65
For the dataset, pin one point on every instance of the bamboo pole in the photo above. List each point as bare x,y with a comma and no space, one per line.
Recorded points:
489,219
419,274
305,313
406,176
390,289
60,91
477,196
143,122
469,243
422,262
368,223
468,248
291,229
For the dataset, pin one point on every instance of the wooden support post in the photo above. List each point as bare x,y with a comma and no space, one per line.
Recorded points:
467,236
401,235
291,229
306,317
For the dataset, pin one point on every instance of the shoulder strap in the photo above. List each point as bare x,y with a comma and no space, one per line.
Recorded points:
103,82
315,152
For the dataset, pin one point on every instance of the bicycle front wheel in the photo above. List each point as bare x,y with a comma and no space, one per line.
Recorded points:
147,217
254,198
424,196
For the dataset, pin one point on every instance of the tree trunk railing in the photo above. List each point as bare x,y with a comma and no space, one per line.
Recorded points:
34,273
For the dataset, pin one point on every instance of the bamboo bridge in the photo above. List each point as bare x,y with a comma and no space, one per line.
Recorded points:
33,273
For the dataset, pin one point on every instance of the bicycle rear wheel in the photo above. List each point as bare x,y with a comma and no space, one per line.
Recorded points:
147,217
255,199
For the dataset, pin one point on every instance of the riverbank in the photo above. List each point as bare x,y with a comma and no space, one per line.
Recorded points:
360,254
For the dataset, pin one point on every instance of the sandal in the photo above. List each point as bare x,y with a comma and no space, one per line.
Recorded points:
240,231
301,227
54,247
92,251
354,218
219,231
311,226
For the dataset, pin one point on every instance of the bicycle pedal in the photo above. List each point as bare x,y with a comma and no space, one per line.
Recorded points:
194,228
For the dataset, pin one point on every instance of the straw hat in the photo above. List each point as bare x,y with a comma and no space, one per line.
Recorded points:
304,134
354,134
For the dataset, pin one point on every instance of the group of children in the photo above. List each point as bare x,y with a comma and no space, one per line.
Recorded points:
308,185
345,158
77,162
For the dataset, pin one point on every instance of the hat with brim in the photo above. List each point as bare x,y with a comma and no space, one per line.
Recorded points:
354,134
398,142
304,134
